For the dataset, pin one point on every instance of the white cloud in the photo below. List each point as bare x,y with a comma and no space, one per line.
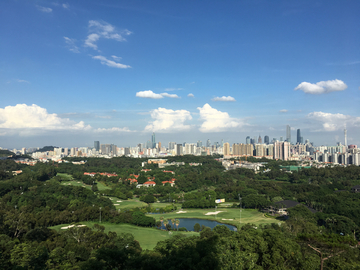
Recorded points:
23,81
166,120
71,44
148,94
113,130
110,63
333,122
217,121
116,57
66,6
44,9
151,94
284,111
169,95
322,87
101,29
22,116
190,95
223,98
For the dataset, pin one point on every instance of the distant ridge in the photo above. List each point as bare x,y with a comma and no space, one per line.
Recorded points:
45,148
6,153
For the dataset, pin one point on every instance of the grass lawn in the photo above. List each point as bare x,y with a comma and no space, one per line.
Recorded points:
228,215
163,205
65,176
129,203
147,237
101,186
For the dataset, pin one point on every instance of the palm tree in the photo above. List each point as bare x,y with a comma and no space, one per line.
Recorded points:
165,223
173,222
161,220
177,223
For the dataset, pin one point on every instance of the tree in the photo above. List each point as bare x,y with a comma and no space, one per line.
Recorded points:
149,198
177,222
197,227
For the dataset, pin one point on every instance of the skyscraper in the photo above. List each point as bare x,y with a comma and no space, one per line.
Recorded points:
288,134
259,139
226,149
208,143
266,139
97,145
298,136
248,140
153,140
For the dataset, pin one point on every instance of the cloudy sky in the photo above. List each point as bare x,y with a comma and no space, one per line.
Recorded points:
116,71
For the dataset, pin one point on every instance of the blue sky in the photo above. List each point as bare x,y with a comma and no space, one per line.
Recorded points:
116,71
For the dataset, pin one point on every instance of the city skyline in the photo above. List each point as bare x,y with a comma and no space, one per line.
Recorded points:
85,71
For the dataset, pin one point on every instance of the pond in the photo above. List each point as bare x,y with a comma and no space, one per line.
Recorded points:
189,223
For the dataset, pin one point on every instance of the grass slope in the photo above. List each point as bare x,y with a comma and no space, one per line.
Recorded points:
147,237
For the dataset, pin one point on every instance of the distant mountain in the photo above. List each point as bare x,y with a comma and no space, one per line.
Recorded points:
6,153
46,148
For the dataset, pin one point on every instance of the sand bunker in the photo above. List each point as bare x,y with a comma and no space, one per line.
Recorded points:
118,201
70,226
213,213
181,212
116,204
227,219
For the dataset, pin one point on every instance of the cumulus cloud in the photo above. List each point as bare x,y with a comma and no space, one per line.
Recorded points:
190,95
333,122
284,111
322,87
223,98
71,44
217,121
148,94
151,94
101,29
110,63
22,116
167,120
44,9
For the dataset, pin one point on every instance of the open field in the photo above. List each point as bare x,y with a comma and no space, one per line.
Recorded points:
227,215
147,237
65,176
101,186
163,205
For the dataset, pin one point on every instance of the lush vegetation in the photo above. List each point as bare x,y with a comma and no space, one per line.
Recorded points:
48,195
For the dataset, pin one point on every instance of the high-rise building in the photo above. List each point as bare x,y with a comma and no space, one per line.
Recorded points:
259,139
153,140
248,140
97,145
172,145
226,149
282,150
179,149
199,144
266,139
345,134
298,136
288,134
208,143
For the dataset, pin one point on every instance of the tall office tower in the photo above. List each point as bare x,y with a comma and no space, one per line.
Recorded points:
288,134
148,144
153,140
172,145
179,149
226,149
222,142
208,143
298,136
259,139
266,139
141,147
199,144
247,139
97,145
281,139
345,133
159,145
252,141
